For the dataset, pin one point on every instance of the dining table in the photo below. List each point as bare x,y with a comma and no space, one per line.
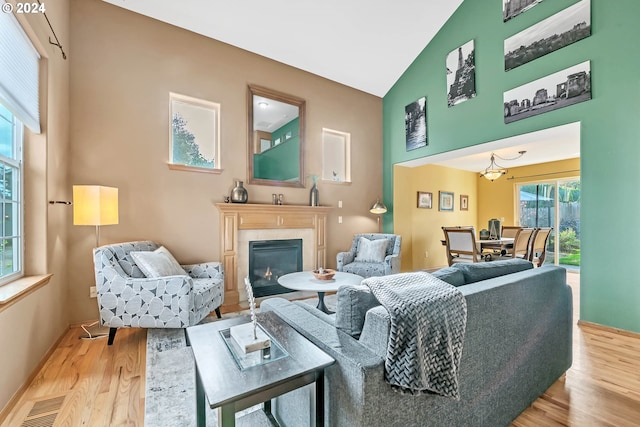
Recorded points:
500,246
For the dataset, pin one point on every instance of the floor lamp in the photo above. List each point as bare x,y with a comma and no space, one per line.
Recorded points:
95,205
378,208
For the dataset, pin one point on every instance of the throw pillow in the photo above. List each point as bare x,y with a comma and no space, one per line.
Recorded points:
159,263
475,272
371,250
452,276
352,305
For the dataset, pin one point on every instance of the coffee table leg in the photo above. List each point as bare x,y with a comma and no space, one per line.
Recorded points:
320,400
321,306
201,418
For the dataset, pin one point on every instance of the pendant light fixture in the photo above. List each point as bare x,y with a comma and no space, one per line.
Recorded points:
494,170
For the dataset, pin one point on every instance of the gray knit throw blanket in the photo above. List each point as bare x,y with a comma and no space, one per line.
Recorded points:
428,320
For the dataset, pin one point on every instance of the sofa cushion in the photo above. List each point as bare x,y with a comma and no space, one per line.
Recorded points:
352,305
371,250
475,272
452,276
159,263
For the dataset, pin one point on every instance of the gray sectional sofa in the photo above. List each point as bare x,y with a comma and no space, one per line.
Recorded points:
518,341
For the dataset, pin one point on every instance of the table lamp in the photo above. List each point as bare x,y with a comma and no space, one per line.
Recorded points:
378,208
95,205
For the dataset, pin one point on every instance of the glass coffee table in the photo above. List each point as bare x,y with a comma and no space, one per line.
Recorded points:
306,281
234,381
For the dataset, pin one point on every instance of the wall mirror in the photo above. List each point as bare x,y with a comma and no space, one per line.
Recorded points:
275,138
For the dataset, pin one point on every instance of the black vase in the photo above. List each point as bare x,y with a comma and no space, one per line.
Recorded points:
314,196
239,193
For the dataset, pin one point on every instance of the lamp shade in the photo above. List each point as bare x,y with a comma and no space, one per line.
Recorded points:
95,205
378,208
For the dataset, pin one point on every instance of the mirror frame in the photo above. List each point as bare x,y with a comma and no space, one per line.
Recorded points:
287,99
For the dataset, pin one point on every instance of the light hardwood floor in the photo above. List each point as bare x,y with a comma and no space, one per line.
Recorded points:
104,386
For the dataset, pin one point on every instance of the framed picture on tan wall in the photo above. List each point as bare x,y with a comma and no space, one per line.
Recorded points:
425,199
446,201
464,202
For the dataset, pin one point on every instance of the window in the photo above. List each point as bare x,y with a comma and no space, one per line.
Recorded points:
10,196
195,134
554,204
19,108
336,156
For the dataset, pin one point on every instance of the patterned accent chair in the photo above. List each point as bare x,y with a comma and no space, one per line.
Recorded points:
126,298
348,262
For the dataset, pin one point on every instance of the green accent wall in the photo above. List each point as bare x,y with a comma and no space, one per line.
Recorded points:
281,161
610,130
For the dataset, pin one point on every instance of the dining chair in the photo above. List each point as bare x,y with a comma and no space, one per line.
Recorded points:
521,245
510,231
538,250
461,245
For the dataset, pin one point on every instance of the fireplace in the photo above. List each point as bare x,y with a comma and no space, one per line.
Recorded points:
270,259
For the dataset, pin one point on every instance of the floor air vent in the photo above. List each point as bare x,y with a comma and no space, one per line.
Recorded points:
44,412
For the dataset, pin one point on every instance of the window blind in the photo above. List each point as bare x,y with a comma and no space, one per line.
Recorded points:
18,72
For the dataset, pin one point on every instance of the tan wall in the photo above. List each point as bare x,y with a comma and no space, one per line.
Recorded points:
124,67
31,326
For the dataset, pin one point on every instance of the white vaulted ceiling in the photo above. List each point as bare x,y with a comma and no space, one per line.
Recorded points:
365,44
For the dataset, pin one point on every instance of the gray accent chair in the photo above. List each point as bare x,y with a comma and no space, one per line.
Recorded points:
126,298
346,261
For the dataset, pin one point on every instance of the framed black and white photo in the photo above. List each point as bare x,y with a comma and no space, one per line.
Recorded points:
558,90
461,74
513,8
425,199
446,201
565,27
415,124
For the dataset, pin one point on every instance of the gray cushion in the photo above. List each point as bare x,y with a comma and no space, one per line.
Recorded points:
159,263
371,250
452,276
351,308
475,272
365,269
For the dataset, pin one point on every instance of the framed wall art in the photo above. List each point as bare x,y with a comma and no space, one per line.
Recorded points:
565,27
446,201
464,202
461,74
425,200
513,8
558,90
415,124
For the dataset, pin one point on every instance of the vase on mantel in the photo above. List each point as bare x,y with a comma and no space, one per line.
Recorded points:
239,193
314,196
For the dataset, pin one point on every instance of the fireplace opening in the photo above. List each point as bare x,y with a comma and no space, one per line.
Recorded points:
270,259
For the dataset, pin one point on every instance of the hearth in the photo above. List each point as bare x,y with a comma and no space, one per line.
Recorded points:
270,259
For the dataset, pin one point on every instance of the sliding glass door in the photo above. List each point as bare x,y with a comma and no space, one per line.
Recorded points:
554,204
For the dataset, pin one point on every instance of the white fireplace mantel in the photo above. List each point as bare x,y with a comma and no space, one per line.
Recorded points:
235,217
